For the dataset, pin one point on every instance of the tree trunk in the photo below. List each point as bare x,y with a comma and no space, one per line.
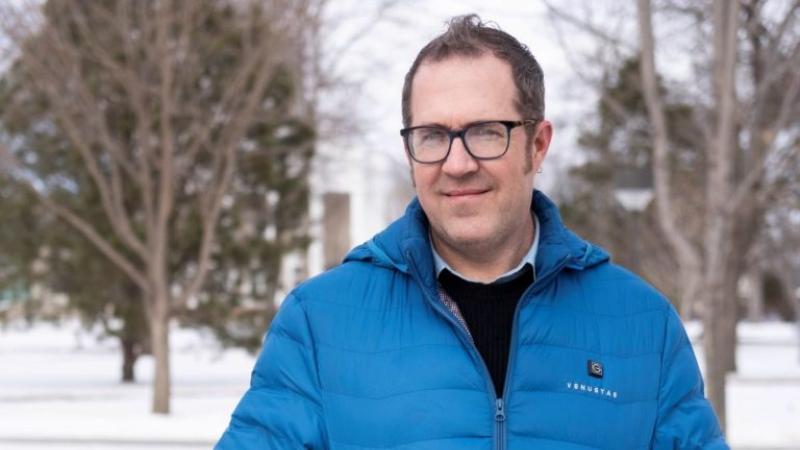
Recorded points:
159,329
719,244
715,345
719,324
729,319
691,279
130,353
754,294
134,339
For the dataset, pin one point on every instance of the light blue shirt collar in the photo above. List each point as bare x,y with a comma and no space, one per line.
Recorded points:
530,258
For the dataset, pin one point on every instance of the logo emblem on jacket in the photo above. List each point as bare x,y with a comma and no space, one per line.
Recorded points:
595,368
597,390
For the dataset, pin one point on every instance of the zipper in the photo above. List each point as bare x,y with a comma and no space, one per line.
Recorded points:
500,414
498,403
499,425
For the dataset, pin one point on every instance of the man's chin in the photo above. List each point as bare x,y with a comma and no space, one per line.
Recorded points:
465,238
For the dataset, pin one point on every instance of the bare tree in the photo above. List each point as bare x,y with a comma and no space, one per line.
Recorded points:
744,156
183,137
745,102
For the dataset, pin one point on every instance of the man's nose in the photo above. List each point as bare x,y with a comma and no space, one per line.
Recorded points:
459,162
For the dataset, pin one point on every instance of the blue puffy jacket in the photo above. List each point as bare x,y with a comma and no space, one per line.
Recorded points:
365,356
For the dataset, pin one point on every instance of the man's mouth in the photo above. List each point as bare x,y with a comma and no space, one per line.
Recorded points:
465,193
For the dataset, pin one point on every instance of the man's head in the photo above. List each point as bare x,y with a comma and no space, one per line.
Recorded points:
469,74
467,36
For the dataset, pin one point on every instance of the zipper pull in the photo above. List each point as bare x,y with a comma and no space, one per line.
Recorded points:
499,412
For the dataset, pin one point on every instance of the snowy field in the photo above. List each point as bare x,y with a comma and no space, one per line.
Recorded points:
59,389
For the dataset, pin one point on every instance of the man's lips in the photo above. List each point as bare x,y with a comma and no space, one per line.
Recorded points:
465,192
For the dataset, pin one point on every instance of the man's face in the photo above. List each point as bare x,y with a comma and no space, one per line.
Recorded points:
474,203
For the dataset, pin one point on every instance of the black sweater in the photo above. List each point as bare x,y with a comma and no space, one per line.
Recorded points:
488,310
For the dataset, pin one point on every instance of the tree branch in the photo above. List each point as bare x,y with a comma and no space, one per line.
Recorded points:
758,169
229,141
48,82
661,144
83,227
560,14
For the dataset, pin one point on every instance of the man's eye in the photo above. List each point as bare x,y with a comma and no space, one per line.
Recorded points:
432,136
487,131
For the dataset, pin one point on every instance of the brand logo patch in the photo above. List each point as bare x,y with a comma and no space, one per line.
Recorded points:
595,368
597,390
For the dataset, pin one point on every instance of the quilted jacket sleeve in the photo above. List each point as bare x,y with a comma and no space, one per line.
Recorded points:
282,408
685,419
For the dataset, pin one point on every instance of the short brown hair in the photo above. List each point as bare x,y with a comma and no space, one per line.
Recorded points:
469,36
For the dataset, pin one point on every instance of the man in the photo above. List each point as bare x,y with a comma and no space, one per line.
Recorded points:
476,320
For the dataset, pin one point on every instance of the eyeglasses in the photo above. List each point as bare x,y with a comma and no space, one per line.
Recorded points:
485,140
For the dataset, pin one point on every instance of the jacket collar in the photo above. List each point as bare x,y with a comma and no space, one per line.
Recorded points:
405,243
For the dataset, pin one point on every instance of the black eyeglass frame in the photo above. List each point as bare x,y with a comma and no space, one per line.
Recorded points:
509,124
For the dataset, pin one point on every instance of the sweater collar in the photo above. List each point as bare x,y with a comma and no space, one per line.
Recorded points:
440,264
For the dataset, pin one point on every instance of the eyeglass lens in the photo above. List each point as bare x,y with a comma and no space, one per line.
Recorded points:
483,140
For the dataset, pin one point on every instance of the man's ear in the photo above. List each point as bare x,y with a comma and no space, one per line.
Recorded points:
541,143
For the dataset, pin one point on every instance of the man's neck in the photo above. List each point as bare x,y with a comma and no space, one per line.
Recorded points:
486,261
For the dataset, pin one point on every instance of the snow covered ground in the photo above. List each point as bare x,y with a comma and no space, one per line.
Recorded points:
59,390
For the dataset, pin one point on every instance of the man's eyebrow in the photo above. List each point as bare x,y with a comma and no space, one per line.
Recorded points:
441,125
432,124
